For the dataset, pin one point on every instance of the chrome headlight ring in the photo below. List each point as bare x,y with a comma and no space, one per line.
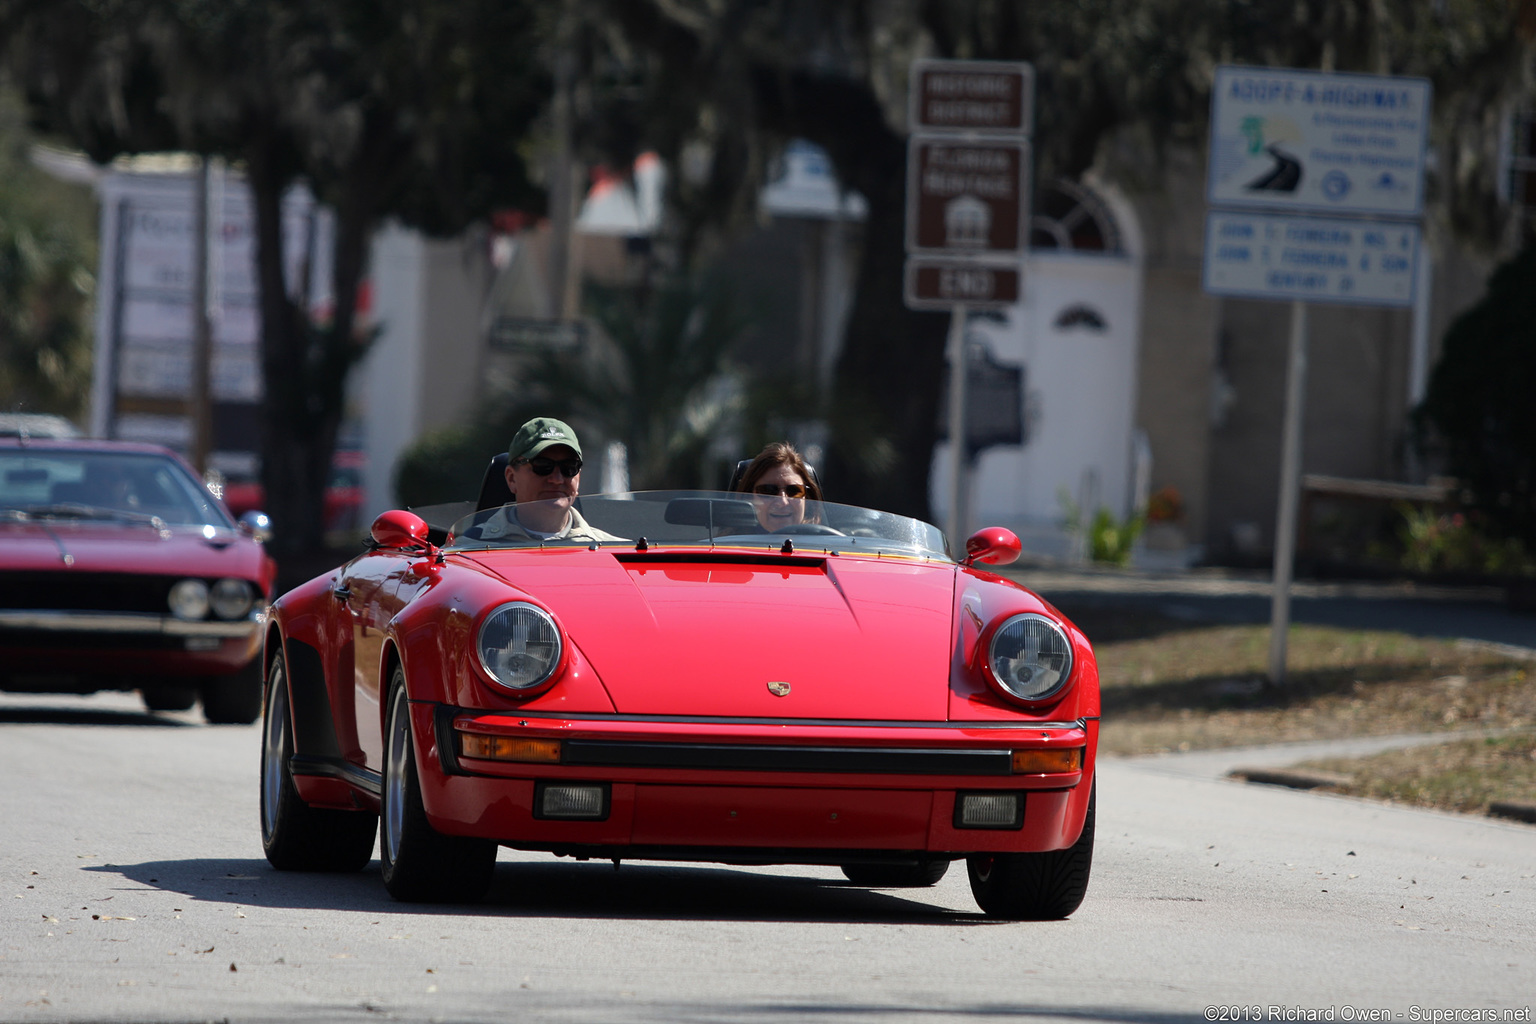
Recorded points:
188,600
1029,658
519,646
231,598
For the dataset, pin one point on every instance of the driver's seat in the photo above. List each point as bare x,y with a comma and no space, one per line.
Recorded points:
494,491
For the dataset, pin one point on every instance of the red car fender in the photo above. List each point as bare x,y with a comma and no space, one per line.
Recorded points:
434,636
982,600
306,613
313,632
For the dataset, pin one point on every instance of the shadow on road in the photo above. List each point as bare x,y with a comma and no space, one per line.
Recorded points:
38,715
559,889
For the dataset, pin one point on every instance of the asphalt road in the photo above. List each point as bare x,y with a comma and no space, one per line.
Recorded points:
135,890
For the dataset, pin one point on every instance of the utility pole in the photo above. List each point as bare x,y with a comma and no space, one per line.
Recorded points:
202,329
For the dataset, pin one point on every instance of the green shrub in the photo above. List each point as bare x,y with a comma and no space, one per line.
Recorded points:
1479,410
1435,541
1110,539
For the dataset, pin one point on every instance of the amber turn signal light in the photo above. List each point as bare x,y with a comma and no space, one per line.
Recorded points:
1034,762
508,748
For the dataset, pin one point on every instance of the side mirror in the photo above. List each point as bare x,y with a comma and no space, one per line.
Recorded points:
398,529
993,545
256,525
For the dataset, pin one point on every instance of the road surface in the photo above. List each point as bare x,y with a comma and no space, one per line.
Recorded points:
135,890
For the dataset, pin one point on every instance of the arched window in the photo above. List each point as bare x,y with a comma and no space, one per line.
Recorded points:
1069,217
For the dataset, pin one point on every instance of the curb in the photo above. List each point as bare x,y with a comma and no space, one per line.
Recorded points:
1514,810
1292,778
1519,810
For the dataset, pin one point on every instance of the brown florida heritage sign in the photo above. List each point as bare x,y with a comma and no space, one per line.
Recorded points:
966,196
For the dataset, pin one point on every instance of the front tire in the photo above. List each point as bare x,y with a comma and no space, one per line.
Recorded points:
233,699
419,863
1035,886
294,835
163,696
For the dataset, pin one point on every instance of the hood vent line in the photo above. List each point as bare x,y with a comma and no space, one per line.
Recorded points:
718,558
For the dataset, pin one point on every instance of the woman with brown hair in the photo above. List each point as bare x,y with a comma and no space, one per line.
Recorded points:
780,482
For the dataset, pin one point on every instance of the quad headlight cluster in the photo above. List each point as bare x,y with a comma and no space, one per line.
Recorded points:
1030,657
519,645
228,598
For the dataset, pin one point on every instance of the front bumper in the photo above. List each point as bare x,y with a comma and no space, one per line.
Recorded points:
39,644
756,790
66,623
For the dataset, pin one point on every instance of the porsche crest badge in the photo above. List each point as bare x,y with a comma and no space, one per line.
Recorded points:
778,689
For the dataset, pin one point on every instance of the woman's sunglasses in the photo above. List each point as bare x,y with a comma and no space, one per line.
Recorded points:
543,467
774,490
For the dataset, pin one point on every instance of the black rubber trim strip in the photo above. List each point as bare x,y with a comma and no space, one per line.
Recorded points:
333,768
314,730
447,741
741,757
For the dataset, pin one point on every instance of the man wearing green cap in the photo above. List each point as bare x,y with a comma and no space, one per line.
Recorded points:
544,476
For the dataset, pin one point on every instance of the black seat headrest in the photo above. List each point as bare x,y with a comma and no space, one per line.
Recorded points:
494,491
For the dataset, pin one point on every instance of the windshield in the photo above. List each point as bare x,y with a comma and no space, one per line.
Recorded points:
697,519
113,486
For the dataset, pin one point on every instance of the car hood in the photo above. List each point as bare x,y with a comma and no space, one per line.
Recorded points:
97,547
851,637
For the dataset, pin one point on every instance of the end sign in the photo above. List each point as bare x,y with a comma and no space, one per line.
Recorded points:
943,284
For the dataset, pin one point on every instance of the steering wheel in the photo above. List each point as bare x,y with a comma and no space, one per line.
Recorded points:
810,529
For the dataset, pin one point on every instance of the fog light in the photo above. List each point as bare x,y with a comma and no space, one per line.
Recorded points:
989,810
570,800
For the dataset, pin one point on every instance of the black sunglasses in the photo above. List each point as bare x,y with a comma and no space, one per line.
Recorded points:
543,467
773,490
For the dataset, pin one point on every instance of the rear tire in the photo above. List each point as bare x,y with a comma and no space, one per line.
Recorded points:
924,873
233,699
1035,886
294,835
419,863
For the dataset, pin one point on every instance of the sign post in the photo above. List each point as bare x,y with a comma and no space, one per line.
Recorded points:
1290,491
1316,183
968,193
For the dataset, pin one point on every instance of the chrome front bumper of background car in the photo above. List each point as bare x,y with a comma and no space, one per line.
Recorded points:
127,623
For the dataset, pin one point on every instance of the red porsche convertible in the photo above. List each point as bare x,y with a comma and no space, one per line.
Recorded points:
672,681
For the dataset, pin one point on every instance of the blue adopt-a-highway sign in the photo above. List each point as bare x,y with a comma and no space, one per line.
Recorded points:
1321,142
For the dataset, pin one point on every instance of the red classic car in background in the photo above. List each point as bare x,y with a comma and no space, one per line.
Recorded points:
838,692
119,571
343,493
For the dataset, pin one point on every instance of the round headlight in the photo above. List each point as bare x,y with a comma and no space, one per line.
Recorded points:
231,598
519,645
1030,656
189,599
